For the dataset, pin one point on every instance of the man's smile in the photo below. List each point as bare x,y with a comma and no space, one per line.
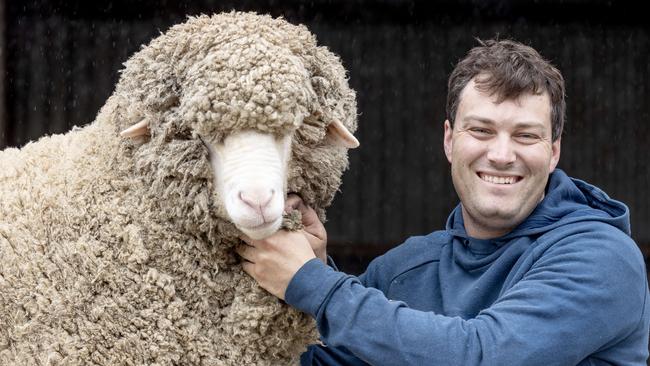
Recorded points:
499,179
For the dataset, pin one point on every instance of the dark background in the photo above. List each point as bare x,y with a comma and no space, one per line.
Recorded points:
61,59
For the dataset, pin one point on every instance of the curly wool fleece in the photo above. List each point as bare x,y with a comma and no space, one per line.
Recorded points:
118,252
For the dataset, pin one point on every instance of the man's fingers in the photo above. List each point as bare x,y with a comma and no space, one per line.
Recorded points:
310,237
246,252
293,202
309,216
246,239
247,267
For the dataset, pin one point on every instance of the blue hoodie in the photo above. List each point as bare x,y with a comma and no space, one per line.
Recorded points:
567,286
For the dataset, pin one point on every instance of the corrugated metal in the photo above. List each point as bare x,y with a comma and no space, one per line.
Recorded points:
63,65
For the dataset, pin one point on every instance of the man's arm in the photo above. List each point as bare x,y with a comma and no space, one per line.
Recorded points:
582,294
576,301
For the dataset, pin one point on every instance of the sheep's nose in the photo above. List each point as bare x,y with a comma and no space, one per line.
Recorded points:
257,199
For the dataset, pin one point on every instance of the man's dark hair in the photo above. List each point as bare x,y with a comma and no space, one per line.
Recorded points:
508,69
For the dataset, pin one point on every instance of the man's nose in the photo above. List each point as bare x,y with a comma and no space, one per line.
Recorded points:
501,152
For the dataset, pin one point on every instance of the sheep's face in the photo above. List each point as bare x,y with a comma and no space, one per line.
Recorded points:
250,174
272,107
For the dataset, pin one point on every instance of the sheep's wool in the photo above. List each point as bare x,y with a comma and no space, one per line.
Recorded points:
118,252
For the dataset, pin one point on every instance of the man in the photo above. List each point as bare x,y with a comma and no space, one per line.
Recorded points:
533,268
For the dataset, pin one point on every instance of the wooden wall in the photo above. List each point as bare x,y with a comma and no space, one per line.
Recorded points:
62,60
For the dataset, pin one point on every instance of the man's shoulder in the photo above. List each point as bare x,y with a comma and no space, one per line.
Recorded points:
414,252
606,248
599,234
420,248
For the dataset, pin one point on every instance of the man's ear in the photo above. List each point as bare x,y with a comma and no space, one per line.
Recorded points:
555,153
448,142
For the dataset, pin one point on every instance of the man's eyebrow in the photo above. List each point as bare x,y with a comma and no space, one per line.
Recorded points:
487,121
525,125
478,119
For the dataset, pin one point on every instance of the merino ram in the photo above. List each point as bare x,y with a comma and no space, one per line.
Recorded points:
118,250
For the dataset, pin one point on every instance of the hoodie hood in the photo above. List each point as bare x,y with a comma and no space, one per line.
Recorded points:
566,201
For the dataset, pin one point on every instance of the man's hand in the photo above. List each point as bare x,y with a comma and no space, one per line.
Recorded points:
313,229
273,261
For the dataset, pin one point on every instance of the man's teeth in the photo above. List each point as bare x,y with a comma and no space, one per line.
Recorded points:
498,180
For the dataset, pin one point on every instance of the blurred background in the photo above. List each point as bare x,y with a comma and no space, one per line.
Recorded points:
60,61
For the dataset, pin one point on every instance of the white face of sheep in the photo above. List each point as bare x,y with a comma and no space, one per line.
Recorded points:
250,174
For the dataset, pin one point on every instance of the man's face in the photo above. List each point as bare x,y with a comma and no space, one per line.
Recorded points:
501,156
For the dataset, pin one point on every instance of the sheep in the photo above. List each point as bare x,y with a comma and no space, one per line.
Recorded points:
116,239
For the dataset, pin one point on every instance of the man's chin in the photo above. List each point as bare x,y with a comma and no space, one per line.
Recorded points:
496,218
500,215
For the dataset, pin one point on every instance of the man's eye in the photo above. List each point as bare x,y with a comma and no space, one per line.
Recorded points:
480,130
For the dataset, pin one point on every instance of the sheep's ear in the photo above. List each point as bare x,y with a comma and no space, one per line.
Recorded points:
340,136
139,129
